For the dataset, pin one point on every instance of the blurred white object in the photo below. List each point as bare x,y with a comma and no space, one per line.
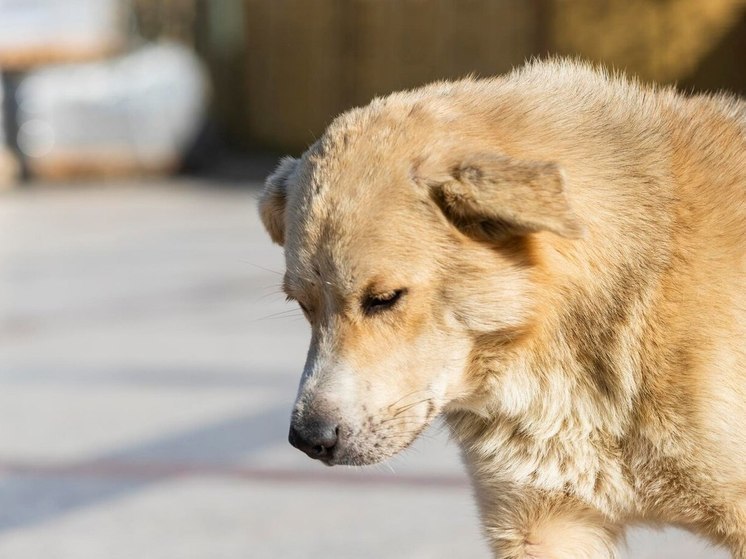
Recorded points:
35,32
135,113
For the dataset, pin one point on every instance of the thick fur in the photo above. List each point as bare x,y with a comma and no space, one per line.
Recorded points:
568,253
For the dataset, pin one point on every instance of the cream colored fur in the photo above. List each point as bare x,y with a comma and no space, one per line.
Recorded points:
568,253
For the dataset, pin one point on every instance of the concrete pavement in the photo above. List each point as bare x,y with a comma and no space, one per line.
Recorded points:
148,363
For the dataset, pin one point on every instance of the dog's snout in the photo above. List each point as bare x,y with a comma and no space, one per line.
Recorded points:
317,438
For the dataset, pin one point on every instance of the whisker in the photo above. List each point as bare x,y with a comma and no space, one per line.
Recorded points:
402,433
263,268
282,314
406,396
410,406
388,466
399,418
409,437
275,291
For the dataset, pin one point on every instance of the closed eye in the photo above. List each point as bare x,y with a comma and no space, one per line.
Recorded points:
373,304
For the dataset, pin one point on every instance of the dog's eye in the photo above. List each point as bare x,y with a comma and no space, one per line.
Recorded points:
381,302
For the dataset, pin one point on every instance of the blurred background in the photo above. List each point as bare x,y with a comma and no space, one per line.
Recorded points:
148,361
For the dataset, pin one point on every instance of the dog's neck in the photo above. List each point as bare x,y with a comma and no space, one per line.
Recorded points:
556,404
550,421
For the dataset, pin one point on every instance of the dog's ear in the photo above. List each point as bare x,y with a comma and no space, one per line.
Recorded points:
492,195
273,199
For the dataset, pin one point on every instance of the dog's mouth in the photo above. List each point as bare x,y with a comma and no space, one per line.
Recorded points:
376,439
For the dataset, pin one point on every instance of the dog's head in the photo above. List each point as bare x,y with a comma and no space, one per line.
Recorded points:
406,250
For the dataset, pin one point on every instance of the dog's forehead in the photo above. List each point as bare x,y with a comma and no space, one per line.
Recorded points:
348,255
349,203
355,207
356,243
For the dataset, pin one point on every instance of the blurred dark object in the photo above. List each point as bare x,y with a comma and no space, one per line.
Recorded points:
166,19
10,166
213,155
724,67
664,41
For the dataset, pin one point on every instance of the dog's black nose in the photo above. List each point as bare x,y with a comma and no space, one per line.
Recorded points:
316,438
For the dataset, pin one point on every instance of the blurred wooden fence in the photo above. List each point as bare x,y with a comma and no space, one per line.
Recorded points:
282,69
309,60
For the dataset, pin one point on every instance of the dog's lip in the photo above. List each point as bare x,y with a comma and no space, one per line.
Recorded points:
340,460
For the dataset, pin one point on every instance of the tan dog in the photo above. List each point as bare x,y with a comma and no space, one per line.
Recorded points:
556,261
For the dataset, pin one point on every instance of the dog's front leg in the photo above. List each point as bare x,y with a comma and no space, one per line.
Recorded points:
535,525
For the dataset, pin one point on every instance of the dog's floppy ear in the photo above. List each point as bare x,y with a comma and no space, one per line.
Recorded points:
273,198
490,195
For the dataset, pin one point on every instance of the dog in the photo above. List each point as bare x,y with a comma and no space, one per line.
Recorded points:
554,261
